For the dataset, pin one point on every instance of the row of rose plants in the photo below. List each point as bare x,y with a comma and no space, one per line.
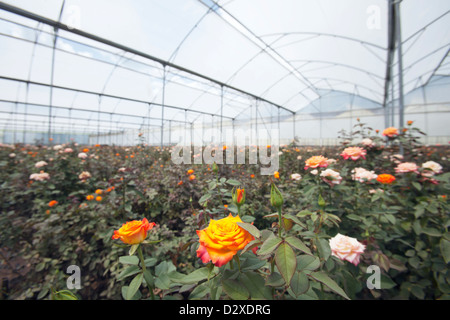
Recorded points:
310,231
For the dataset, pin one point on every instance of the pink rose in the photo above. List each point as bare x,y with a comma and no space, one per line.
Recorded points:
331,177
354,153
82,155
407,167
346,248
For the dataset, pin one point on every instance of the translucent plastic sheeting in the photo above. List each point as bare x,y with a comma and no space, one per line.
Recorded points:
250,64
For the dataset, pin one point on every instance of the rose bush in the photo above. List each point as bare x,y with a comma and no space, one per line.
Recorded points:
282,249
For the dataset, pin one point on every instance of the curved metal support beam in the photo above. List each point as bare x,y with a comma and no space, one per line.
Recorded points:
61,26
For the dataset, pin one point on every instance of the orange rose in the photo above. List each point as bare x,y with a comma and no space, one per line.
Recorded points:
90,197
316,161
52,203
390,132
276,174
98,191
98,198
385,178
190,171
221,240
133,232
192,177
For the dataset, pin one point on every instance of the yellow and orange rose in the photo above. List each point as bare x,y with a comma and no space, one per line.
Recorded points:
390,132
315,162
133,232
221,240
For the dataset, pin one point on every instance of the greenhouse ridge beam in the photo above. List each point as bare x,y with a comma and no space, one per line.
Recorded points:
62,26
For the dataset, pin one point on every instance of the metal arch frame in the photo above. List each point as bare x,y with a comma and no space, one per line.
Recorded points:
115,65
93,37
395,36
57,25
255,39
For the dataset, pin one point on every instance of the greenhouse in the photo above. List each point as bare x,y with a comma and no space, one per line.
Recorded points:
137,136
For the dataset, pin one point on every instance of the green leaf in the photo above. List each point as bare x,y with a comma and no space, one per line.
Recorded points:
150,262
133,249
163,282
432,232
269,245
298,244
233,182
129,260
250,228
324,249
124,290
252,244
252,262
417,185
148,277
204,198
305,262
64,295
275,280
285,261
196,276
256,286
299,283
417,292
199,291
444,245
131,270
134,286
235,290
330,283
386,282
294,219
390,218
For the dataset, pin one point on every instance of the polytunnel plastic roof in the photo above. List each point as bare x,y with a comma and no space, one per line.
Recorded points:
230,53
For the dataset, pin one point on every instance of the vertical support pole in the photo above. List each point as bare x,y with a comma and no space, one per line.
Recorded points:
24,138
52,75
192,134
256,121
234,137
425,114
293,126
185,128
98,118
170,132
279,132
162,105
212,126
110,128
400,66
221,113
392,104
